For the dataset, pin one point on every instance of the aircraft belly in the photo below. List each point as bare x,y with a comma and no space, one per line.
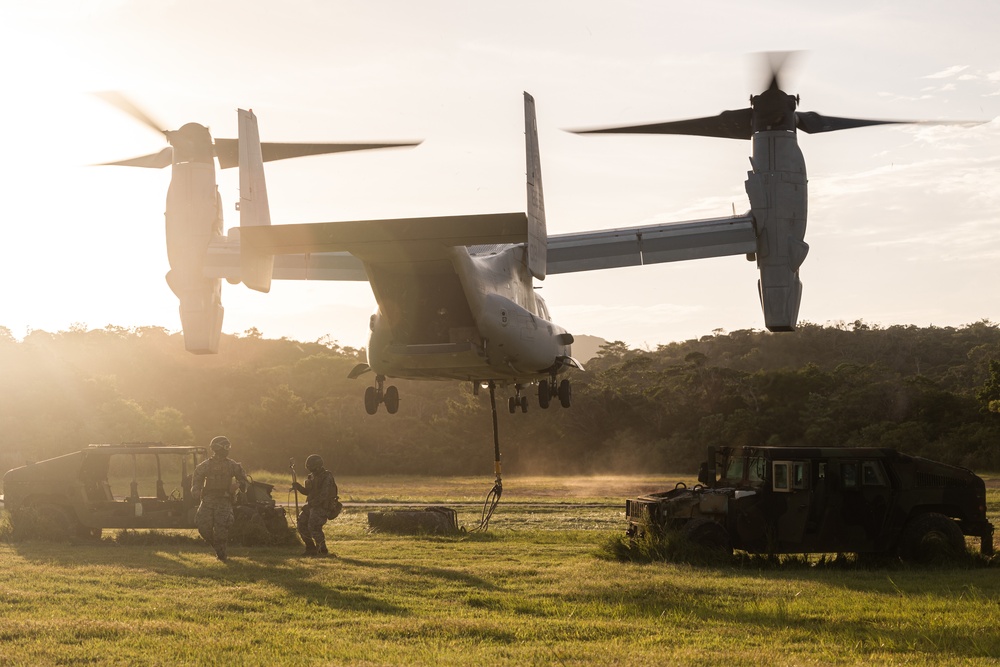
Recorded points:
455,361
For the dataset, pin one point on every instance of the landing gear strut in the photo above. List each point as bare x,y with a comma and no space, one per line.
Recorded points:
547,390
517,400
377,395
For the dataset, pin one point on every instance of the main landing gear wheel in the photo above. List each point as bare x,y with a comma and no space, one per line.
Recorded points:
547,390
377,395
565,393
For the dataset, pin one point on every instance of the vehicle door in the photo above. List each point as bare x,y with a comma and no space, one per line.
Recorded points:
148,488
864,495
792,499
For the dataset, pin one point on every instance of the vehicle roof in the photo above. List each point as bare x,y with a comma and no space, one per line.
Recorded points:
139,447
818,452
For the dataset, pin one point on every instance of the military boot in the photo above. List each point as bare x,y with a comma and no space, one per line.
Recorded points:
310,549
220,553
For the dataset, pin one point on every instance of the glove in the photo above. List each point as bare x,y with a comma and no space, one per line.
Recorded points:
298,487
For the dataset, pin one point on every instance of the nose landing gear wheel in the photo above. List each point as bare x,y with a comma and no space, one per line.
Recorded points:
391,400
375,396
371,400
517,400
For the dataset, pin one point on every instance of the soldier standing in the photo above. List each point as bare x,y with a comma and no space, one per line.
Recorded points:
322,504
212,483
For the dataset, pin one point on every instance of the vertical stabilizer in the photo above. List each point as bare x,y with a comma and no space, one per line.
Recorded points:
537,236
256,268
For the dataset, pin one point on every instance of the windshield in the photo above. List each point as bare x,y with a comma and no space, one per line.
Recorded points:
740,470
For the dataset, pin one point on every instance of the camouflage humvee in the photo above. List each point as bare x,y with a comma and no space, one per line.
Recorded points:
122,486
822,500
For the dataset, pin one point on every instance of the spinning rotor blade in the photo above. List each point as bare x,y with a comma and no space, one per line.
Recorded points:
227,150
727,125
811,122
776,61
772,109
154,160
193,141
122,103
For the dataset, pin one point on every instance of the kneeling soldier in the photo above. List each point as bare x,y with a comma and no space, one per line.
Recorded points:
322,504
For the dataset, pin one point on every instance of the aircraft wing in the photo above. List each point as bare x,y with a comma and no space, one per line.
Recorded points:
388,241
223,261
339,250
651,244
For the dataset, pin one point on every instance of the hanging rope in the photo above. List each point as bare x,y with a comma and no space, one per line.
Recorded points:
493,497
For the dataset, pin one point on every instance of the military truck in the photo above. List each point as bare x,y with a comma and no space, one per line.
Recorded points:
140,485
822,500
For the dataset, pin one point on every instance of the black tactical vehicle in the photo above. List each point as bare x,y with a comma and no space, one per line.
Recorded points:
822,500
122,486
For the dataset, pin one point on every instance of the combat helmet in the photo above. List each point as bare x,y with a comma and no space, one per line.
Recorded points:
220,444
314,462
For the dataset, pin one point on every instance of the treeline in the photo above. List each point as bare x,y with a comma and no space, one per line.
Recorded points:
926,391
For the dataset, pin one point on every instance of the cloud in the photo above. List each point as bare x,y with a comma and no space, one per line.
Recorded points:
948,72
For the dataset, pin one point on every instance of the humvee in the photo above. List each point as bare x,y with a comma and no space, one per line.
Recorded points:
122,486
822,500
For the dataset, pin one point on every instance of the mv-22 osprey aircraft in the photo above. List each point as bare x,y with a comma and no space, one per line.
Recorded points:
455,294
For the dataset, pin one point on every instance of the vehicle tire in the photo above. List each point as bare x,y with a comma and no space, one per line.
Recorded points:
371,400
931,538
391,400
47,521
86,533
709,535
544,395
22,523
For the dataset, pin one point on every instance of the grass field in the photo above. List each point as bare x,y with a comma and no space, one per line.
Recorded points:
536,589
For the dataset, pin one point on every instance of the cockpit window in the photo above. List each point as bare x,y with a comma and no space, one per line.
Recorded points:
872,474
734,469
849,474
742,470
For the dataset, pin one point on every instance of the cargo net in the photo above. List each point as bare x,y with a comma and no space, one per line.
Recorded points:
425,521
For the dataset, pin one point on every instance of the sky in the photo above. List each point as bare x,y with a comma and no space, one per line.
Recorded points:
904,222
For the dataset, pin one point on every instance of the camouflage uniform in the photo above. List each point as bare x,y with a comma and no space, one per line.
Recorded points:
213,480
321,491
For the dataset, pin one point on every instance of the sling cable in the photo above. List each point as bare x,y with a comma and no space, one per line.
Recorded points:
493,497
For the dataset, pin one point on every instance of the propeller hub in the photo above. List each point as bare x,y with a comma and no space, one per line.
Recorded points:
191,143
774,110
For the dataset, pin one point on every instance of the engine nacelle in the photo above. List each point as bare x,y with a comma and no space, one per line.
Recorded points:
777,188
193,220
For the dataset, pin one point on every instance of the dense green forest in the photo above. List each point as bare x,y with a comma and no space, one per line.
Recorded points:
926,391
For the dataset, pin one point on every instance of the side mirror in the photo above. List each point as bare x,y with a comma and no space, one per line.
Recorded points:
706,475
